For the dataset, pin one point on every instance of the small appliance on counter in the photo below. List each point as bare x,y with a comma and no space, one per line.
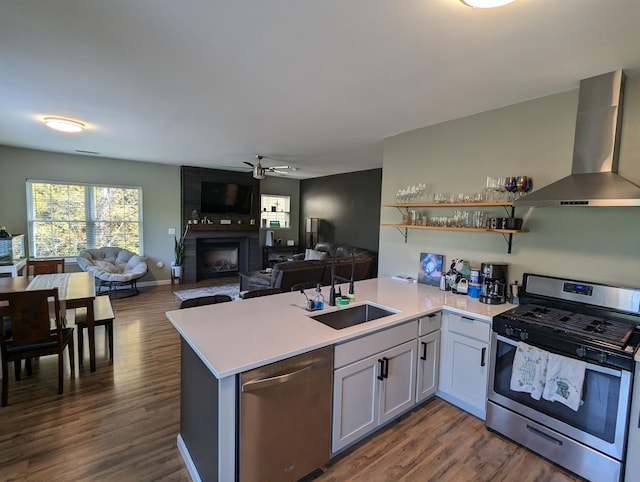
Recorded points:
458,276
494,283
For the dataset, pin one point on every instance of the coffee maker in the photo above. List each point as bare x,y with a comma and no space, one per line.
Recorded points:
494,283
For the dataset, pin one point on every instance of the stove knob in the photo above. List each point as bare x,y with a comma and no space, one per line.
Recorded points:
508,331
602,357
581,351
523,335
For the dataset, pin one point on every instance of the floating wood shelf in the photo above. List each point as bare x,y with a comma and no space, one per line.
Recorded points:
507,234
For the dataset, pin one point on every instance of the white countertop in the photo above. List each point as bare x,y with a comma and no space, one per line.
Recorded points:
231,338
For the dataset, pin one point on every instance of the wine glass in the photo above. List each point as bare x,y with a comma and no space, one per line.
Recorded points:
522,183
492,188
511,186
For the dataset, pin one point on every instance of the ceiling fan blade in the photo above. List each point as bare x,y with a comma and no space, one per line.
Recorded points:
250,164
279,167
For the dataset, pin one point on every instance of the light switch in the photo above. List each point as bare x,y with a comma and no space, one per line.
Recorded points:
172,231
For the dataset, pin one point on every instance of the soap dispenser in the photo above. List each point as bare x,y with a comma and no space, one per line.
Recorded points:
319,302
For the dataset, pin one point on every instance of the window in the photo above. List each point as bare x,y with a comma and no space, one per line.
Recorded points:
275,211
65,218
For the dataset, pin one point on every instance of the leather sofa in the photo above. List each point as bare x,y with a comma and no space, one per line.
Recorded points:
299,270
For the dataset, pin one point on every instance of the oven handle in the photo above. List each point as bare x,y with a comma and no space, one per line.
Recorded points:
590,366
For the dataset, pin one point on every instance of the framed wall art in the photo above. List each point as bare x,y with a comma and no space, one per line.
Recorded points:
430,268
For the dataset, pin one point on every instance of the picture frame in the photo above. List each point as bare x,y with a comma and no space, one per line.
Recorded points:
274,224
430,269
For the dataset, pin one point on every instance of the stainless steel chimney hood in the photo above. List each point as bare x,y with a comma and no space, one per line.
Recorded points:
594,180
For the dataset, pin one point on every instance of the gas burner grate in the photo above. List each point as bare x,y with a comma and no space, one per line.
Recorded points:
583,325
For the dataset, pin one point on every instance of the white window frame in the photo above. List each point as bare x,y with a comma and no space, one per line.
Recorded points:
90,219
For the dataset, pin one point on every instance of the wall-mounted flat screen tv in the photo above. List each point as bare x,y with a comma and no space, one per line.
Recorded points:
225,198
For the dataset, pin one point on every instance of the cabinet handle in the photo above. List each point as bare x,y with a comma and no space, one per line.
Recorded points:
424,351
386,367
381,361
467,318
484,352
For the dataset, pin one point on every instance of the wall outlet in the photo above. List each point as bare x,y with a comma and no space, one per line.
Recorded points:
172,231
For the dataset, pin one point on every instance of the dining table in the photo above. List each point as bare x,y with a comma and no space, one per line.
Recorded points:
75,290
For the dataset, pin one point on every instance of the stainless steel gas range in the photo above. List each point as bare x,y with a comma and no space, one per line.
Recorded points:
594,328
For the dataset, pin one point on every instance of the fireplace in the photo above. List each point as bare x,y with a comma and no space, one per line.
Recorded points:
221,257
215,251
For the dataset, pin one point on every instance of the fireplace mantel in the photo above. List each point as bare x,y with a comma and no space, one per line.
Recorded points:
224,227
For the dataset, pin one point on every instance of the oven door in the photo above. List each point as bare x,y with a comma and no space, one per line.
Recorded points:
599,423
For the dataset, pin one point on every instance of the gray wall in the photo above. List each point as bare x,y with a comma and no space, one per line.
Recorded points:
347,206
534,138
160,193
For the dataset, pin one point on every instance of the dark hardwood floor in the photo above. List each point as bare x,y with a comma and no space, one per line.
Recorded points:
120,423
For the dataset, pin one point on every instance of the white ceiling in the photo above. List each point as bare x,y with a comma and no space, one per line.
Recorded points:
316,83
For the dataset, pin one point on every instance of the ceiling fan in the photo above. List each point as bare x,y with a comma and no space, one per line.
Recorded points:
260,171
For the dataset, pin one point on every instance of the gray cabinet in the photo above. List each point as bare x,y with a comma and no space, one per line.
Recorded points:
464,364
374,382
428,361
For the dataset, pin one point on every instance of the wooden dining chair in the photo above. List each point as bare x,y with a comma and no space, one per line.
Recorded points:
44,266
30,330
102,316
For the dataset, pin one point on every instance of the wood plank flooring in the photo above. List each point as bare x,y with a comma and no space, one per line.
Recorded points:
120,423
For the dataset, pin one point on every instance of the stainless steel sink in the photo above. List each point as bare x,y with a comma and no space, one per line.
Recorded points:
353,315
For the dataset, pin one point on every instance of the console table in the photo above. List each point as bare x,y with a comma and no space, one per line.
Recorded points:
276,254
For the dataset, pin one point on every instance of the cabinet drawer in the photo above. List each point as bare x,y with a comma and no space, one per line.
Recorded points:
368,345
471,327
430,323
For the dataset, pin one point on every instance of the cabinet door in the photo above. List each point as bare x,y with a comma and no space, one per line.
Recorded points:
355,401
428,357
468,369
397,391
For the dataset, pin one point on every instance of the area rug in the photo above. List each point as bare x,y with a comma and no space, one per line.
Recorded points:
232,290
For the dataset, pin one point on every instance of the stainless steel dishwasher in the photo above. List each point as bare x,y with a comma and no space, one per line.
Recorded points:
285,417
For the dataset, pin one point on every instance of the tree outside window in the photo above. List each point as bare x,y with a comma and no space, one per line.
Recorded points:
66,218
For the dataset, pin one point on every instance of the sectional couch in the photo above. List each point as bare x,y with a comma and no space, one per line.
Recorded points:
314,266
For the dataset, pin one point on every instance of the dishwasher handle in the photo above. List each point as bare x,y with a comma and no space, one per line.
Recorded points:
259,383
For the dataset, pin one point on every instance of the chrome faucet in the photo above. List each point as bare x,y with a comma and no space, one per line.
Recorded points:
335,277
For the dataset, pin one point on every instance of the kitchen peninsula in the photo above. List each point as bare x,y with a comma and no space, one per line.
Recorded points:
222,341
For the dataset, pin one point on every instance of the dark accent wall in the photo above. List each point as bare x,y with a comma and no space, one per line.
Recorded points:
190,185
348,206
248,235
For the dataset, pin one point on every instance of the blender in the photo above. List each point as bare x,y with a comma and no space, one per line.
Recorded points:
494,283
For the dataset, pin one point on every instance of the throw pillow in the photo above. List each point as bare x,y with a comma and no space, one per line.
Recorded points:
312,254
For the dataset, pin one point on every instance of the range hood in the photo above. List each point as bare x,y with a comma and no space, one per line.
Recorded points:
594,180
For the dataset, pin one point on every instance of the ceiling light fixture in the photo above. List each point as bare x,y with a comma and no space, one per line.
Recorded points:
486,3
64,125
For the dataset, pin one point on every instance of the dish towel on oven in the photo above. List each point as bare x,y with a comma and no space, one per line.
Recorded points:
528,372
565,377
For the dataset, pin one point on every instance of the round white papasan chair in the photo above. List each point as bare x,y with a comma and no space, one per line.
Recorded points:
113,267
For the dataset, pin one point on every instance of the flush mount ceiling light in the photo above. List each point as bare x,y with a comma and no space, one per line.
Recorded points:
486,3
64,125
